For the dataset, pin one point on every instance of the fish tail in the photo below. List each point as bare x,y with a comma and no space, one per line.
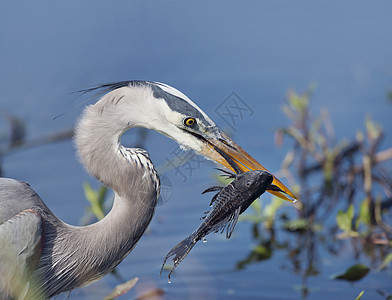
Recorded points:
180,251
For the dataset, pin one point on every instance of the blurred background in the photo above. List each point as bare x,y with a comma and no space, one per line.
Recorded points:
315,58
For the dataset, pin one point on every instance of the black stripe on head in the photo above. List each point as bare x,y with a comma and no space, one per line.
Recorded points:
178,104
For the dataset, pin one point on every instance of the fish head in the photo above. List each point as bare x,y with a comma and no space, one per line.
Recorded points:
253,183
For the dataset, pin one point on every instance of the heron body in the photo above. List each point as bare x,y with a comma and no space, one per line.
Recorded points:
49,256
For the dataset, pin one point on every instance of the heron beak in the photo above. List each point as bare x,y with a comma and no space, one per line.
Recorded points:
242,159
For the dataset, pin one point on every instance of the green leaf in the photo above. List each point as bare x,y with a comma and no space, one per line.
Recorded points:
364,214
359,296
262,251
387,260
271,209
102,194
373,129
328,165
353,273
344,219
298,102
89,192
96,199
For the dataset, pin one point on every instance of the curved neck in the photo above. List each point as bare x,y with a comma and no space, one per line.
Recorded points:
97,139
129,172
84,254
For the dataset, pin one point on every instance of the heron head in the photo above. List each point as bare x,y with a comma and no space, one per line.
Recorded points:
183,121
164,109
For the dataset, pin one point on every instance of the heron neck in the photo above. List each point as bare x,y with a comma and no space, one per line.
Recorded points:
134,183
97,139
80,255
103,245
88,252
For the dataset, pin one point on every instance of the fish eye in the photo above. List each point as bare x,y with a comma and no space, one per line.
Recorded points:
248,183
189,121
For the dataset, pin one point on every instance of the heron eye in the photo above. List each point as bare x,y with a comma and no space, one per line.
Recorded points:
189,121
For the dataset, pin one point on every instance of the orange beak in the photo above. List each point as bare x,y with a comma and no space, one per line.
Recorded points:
242,159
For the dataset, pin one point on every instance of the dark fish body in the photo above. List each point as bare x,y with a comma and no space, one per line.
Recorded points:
227,205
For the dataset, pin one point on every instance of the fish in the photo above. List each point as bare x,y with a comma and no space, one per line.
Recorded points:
231,201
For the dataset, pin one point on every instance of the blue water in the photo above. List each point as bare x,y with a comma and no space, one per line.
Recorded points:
259,50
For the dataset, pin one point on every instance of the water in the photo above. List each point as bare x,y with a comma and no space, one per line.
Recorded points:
208,51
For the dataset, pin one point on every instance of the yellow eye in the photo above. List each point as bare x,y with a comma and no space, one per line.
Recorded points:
189,121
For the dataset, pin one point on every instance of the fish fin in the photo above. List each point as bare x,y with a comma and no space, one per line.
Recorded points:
227,176
205,215
228,223
180,251
213,189
227,173
232,221
213,199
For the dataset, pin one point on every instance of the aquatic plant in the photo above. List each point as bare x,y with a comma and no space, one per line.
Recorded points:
345,189
342,178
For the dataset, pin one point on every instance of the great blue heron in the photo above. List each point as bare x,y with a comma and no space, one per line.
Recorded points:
40,255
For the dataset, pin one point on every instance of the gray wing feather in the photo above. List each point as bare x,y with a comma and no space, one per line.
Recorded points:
21,239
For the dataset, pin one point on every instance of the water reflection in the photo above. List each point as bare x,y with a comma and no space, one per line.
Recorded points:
263,249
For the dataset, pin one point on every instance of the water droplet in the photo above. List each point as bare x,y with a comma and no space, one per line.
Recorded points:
204,240
169,281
